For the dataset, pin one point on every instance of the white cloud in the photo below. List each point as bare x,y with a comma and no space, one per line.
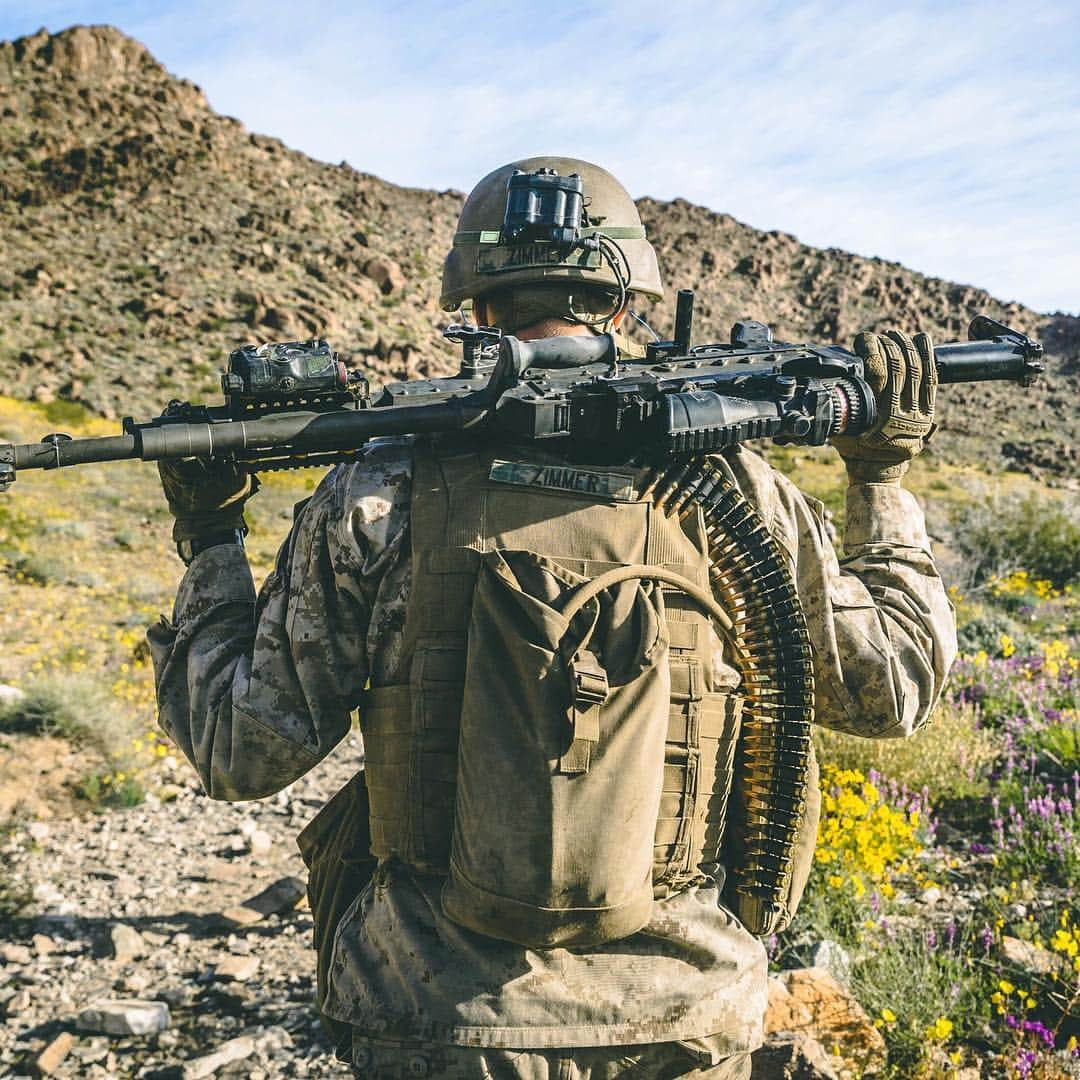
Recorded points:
943,136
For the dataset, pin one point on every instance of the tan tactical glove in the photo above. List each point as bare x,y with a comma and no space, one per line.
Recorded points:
902,373
205,496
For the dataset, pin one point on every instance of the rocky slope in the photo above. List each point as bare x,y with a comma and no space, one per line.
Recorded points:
145,235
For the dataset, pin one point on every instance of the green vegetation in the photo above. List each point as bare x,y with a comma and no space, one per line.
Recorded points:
83,709
920,992
1032,532
66,412
951,757
109,790
934,850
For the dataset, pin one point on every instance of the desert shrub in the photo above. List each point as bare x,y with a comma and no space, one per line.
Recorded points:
985,631
922,990
71,529
75,707
92,715
1036,1018
951,757
996,687
41,568
66,412
14,525
103,789
1035,533
871,833
1061,743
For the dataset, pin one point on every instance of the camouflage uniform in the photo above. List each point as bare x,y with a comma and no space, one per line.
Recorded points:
256,691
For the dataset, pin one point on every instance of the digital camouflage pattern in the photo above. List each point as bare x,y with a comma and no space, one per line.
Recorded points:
256,691
691,1059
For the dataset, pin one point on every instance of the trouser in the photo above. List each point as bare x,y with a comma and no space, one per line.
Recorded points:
390,1059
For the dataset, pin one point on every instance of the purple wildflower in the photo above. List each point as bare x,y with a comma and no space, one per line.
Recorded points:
1039,1029
1025,1062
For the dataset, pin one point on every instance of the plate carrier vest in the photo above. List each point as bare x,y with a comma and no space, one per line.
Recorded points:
411,732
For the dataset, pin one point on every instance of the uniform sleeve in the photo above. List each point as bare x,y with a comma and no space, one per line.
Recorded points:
881,625
255,691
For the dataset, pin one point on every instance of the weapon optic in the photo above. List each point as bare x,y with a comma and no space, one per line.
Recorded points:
295,404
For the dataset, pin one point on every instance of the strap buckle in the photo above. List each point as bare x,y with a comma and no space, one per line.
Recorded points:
588,681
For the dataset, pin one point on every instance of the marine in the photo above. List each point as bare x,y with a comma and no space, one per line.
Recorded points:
531,875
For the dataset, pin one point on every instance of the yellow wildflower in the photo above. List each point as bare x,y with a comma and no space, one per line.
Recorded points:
940,1029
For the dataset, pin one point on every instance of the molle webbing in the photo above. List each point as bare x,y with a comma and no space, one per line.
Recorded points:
773,774
411,732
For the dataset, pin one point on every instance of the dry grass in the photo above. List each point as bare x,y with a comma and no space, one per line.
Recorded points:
951,756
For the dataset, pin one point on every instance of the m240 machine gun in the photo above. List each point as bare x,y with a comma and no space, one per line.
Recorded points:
294,404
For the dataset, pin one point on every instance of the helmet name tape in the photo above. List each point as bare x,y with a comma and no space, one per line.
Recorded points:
498,259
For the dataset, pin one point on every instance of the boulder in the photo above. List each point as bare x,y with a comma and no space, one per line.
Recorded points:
236,968
810,1001
1033,960
15,954
125,943
833,957
385,273
792,1055
259,842
285,893
43,944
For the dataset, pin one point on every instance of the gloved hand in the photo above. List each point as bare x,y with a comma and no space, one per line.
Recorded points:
902,373
205,496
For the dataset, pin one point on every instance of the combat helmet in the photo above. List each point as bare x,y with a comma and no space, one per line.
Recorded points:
495,248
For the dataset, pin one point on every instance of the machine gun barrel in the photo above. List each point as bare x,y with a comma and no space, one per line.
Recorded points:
983,361
245,440
302,432
993,351
56,450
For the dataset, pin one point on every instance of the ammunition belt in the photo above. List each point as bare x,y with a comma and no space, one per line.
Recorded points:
751,577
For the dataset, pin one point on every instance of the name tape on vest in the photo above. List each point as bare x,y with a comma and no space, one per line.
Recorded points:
604,485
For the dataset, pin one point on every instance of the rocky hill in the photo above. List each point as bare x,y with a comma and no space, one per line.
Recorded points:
144,235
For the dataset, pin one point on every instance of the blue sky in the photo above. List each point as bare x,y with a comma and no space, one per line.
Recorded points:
944,135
